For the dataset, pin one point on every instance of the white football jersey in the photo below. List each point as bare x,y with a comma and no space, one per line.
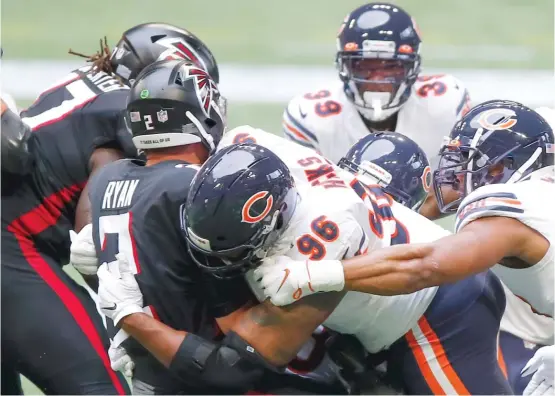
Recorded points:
332,222
521,321
530,202
329,122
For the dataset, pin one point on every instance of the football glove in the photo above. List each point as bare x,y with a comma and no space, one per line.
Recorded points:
118,292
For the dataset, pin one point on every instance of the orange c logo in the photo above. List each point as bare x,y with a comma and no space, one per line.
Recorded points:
497,119
427,179
245,213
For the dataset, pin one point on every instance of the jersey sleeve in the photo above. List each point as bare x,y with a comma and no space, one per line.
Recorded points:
445,95
103,119
240,134
298,123
490,200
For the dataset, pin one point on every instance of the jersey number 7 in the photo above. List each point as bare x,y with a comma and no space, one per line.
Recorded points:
80,93
115,236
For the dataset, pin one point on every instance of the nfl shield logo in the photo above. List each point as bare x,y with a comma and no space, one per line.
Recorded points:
162,115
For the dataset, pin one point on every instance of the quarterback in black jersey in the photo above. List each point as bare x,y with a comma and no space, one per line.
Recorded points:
51,331
135,207
176,309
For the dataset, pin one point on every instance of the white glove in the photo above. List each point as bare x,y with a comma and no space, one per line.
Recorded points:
83,254
120,360
118,292
285,280
542,366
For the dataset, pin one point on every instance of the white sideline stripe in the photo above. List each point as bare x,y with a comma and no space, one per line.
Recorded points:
25,79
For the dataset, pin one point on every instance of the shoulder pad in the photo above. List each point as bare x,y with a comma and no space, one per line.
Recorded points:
447,93
307,116
326,235
240,134
490,200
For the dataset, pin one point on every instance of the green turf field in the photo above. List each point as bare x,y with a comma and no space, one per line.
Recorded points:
456,33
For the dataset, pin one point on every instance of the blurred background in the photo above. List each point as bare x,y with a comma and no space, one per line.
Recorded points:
270,51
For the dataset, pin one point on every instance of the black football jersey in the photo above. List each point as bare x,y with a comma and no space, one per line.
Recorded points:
137,211
77,115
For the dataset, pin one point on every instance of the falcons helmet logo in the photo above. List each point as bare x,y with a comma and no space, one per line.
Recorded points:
205,88
178,48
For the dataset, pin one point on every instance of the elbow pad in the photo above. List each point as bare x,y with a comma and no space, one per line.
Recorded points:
232,365
16,158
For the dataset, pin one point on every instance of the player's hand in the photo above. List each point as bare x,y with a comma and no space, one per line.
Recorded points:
285,280
120,360
118,292
542,366
82,252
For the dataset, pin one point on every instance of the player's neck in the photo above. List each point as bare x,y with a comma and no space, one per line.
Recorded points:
193,154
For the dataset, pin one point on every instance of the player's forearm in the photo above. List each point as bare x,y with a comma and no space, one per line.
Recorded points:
278,333
408,268
160,340
232,364
395,270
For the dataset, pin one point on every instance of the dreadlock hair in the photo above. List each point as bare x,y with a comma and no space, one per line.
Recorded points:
100,60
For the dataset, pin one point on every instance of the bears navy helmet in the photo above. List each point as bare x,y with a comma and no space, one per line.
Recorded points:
238,206
378,58
498,141
394,162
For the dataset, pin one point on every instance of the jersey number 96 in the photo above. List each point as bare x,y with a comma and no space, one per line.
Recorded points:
323,231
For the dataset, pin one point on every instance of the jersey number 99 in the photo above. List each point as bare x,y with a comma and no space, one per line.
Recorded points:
326,108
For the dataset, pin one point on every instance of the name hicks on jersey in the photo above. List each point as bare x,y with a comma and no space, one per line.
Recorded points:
118,194
104,81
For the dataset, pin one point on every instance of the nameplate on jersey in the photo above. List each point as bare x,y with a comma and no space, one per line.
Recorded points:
103,81
119,194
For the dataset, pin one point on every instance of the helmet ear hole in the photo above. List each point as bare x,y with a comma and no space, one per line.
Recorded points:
157,37
210,122
279,222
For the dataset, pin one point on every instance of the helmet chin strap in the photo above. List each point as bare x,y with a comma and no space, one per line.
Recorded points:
520,171
207,137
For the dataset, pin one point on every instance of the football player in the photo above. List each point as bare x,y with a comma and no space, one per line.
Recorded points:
499,162
239,211
398,165
51,330
394,163
279,217
381,88
136,212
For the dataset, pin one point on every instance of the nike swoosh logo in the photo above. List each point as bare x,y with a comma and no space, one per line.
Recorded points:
111,308
303,115
309,278
287,271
